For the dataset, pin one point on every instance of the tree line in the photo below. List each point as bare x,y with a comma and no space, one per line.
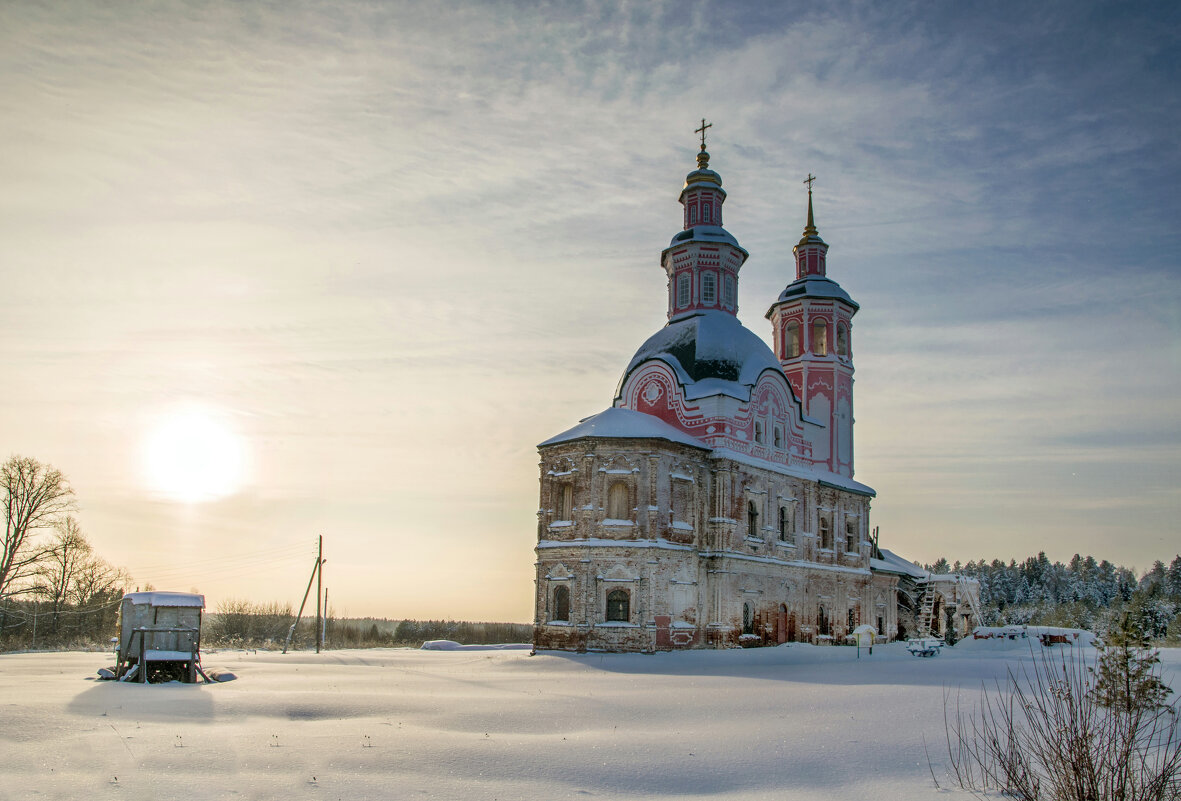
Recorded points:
242,624
1082,593
55,591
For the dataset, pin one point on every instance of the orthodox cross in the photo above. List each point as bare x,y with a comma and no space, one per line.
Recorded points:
811,179
701,131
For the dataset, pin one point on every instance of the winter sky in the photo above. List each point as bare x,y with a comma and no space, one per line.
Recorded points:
369,254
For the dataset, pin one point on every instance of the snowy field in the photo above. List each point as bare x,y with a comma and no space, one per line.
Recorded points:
796,722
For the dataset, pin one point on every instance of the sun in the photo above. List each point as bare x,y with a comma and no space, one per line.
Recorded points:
192,455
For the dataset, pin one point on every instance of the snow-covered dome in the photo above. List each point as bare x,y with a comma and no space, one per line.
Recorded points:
711,352
815,286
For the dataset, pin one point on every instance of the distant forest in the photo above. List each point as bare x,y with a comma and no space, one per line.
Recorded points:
1081,593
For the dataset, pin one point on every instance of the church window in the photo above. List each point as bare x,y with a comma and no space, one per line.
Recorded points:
706,215
825,534
682,290
793,340
728,291
820,338
852,621
778,437
693,214
682,495
759,432
748,620
561,609
821,622
619,606
784,523
752,519
842,340
851,536
709,288
565,502
617,505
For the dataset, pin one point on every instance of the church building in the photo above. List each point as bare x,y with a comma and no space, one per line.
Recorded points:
714,502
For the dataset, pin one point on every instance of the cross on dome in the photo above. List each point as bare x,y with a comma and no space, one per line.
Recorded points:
701,131
703,156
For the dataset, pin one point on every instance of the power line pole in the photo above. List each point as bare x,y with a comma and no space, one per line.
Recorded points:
306,593
319,596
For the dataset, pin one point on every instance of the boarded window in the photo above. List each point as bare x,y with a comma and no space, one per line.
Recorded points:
793,340
561,610
820,338
682,500
619,606
617,505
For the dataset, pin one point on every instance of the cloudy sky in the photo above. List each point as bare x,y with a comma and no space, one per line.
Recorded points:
367,255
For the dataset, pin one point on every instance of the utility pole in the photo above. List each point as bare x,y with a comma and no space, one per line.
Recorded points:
306,593
319,596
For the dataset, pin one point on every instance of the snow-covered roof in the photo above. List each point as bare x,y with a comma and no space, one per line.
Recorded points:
893,563
156,598
625,424
815,286
705,233
711,352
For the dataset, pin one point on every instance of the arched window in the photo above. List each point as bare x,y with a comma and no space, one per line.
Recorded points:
821,621
706,215
825,534
820,338
617,505
693,214
793,340
619,606
752,519
748,620
778,437
850,536
728,292
842,340
682,290
783,523
561,609
709,288
565,502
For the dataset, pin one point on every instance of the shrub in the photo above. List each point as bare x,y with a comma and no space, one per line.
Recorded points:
1048,734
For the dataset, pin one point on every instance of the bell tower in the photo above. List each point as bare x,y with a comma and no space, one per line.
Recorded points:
703,259
813,333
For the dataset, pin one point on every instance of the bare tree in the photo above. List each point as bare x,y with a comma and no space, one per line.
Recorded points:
35,496
57,571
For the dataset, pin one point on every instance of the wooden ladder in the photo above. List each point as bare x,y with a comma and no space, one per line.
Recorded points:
926,609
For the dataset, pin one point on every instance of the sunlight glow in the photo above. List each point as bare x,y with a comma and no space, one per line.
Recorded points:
192,455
